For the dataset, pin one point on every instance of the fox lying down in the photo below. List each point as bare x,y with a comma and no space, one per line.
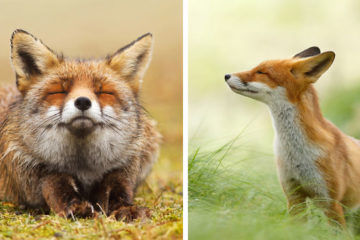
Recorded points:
73,136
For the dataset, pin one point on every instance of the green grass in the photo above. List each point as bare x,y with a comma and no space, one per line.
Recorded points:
234,194
342,107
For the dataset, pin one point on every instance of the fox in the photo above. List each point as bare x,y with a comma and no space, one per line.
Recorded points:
315,160
74,137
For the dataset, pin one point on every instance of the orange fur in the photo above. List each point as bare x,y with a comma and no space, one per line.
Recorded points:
339,164
73,135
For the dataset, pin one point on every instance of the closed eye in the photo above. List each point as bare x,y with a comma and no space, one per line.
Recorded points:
260,72
59,92
105,92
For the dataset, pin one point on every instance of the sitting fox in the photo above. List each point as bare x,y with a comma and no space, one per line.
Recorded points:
73,135
314,158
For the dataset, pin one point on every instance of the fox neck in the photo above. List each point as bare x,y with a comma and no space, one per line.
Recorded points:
295,150
304,114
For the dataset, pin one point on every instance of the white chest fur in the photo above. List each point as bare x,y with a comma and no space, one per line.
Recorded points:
296,155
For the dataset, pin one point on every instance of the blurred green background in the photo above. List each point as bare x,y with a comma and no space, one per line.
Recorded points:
233,36
93,29
233,187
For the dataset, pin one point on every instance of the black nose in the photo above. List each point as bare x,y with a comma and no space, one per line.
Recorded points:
83,103
227,76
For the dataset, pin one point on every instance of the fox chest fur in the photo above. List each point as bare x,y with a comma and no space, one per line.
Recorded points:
296,155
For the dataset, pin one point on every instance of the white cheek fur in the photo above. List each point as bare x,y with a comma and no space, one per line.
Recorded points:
108,110
52,111
256,90
262,87
235,82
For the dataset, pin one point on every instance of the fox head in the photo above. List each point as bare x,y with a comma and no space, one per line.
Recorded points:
275,79
79,95
73,109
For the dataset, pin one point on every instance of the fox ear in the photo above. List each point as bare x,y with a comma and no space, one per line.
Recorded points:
131,61
311,51
311,68
30,58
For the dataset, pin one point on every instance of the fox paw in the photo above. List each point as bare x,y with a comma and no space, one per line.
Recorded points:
78,208
130,213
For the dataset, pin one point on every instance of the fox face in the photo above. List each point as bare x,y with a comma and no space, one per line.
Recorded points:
79,115
281,79
81,97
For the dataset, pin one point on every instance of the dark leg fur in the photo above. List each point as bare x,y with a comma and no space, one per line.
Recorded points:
62,195
115,193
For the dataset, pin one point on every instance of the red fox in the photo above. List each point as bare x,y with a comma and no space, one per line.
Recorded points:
314,158
73,135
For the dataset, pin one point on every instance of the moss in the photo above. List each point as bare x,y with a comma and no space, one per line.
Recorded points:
162,193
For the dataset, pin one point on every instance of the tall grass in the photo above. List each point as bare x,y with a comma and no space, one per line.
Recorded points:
234,194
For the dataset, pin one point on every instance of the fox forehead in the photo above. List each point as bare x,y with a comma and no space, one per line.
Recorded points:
83,73
271,72
71,75
274,66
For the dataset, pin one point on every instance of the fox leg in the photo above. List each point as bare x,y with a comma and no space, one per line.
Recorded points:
115,194
296,203
333,209
295,196
62,196
335,212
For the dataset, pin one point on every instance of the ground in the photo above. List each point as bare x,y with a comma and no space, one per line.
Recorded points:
162,193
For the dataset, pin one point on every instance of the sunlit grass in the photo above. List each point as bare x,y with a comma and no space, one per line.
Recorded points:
234,197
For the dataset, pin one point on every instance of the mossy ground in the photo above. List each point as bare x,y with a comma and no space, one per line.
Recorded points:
162,193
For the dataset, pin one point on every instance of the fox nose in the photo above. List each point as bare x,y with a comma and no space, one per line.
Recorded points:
227,77
83,103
